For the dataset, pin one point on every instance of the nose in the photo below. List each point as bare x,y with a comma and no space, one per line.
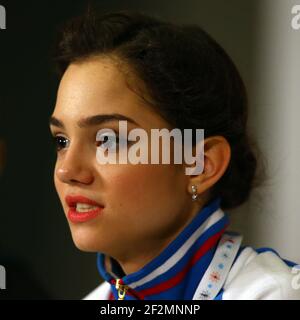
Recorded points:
74,167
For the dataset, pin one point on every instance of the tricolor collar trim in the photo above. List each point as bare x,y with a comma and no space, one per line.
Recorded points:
200,236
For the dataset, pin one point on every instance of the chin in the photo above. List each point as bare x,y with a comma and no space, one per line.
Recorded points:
85,246
84,241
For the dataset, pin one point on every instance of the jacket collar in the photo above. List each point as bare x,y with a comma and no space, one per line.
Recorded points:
177,270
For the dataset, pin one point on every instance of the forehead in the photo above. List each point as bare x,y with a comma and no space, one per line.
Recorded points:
97,86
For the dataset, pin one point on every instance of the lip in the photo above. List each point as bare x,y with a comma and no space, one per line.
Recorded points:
76,216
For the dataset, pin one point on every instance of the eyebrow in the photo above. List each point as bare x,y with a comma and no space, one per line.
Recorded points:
92,120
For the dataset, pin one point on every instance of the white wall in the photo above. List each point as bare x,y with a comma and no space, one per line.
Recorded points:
272,217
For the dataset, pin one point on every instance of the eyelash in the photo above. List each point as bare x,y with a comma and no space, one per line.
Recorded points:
58,140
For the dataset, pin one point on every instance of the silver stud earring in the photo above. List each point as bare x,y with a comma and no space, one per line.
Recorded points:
194,195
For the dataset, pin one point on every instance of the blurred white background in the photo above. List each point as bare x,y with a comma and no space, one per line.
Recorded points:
272,217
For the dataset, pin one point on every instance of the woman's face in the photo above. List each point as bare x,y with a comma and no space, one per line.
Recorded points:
144,205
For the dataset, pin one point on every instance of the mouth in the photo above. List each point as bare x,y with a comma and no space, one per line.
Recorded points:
82,209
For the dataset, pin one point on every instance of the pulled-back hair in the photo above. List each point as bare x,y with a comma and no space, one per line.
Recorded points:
191,80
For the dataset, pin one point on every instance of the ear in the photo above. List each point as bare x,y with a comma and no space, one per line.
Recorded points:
217,153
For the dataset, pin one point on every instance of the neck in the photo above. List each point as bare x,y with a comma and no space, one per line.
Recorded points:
174,269
131,262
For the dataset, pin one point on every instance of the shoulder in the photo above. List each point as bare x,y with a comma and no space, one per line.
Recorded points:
261,275
100,293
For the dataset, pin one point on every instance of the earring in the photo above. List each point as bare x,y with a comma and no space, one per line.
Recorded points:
194,195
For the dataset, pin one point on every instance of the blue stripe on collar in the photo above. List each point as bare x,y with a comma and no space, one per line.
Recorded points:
177,270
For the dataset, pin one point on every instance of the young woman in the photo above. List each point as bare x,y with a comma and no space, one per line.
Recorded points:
158,232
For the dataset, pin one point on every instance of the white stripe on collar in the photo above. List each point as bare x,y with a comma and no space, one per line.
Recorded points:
211,220
216,274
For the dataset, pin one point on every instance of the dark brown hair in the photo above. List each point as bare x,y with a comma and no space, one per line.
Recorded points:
191,80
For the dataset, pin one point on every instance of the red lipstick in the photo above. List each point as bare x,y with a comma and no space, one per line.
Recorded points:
84,214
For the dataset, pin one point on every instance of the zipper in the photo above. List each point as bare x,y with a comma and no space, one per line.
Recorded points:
122,289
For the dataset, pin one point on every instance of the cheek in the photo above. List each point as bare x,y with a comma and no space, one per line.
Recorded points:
138,184
145,202
143,190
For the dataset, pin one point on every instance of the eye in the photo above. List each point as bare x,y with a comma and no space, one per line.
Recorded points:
60,142
108,141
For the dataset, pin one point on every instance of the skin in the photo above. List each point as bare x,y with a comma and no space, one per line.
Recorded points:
145,205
